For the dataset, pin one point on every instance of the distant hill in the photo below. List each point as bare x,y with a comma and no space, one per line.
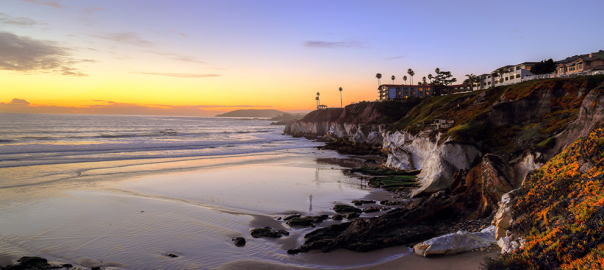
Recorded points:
251,113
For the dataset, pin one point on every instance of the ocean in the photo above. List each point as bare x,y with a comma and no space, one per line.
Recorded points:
124,191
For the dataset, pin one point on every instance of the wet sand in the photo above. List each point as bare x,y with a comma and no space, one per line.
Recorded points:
464,261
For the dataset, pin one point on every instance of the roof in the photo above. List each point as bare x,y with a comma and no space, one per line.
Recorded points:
458,85
403,85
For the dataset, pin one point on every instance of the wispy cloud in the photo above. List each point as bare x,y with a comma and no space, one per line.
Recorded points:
91,10
337,44
395,57
129,38
110,107
51,3
28,55
179,33
179,57
6,19
180,75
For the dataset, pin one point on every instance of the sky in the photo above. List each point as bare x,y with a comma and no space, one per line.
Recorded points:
202,58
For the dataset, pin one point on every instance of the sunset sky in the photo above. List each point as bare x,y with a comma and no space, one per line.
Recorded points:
206,57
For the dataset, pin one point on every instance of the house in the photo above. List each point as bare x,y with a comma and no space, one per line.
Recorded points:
512,74
592,63
396,91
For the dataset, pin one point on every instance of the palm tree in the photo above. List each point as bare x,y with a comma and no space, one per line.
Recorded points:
424,80
378,76
318,100
405,79
341,104
471,80
392,79
411,73
501,71
494,74
430,77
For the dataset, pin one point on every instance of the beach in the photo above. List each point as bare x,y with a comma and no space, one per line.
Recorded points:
92,207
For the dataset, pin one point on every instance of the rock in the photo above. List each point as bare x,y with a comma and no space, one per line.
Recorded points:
288,217
306,221
395,202
342,208
267,232
361,202
239,241
352,215
337,217
172,255
456,243
371,209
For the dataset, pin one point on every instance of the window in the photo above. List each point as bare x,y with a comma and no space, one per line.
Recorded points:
580,65
518,68
517,76
506,78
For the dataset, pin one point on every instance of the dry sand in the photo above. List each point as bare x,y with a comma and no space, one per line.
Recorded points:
464,261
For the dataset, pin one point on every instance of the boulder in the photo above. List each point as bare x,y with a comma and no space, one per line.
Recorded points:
352,215
288,217
456,242
342,208
306,221
267,232
371,209
337,217
239,241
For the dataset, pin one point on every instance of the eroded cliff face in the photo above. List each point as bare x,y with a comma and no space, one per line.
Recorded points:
525,125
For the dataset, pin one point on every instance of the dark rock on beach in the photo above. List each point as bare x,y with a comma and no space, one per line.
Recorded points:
337,217
306,221
267,232
34,263
342,208
371,209
352,215
172,255
361,202
239,241
288,217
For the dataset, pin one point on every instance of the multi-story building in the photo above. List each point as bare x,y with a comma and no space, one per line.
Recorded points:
394,91
512,74
584,64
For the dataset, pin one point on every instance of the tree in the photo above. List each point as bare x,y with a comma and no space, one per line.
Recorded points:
544,67
424,80
341,103
470,80
411,73
405,79
430,77
392,79
443,78
378,76
501,71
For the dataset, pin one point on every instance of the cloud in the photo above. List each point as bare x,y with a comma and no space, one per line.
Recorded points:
395,57
18,102
338,44
180,75
28,55
110,107
6,19
177,57
179,33
129,38
51,3
91,10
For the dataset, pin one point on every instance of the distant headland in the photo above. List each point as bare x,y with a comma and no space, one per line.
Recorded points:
252,113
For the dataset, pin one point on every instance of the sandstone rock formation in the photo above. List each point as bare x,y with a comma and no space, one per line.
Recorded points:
454,243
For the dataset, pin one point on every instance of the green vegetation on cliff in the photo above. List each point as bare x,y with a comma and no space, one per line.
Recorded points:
507,118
